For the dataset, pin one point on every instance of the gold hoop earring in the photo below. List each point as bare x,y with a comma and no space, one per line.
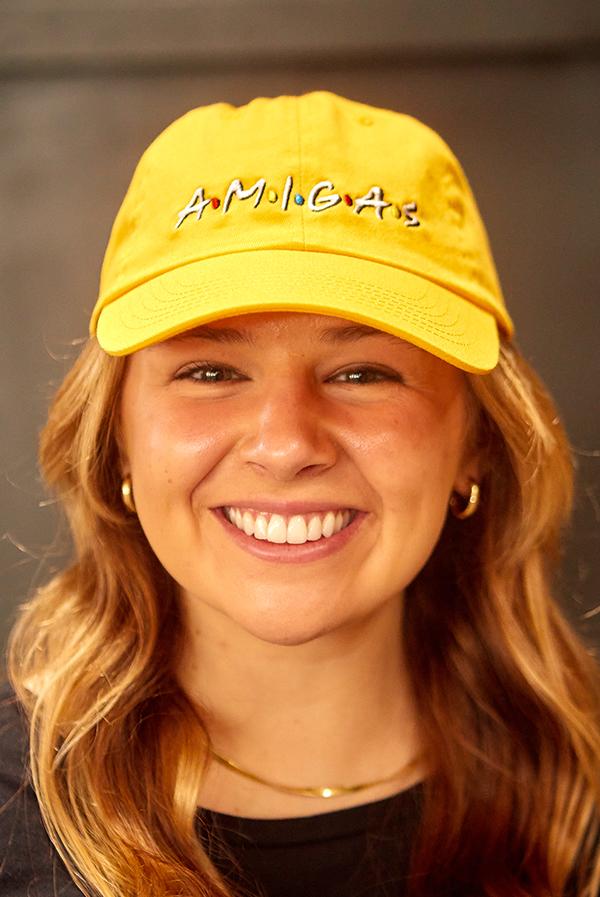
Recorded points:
471,506
127,495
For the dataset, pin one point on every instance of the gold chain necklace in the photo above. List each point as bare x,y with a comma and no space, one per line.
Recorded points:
325,791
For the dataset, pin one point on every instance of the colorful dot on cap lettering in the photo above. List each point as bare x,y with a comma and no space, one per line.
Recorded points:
215,202
347,199
272,196
299,199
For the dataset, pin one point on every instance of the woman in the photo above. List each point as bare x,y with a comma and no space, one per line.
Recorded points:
307,643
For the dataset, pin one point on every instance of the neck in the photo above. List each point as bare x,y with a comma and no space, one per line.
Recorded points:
335,710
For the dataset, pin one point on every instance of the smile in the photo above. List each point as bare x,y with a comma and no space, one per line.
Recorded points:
319,535
293,530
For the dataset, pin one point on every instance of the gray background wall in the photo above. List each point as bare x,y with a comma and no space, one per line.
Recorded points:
85,85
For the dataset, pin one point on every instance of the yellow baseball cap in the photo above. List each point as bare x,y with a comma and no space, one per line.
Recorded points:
313,204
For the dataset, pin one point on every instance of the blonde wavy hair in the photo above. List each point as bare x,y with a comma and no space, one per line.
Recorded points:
508,696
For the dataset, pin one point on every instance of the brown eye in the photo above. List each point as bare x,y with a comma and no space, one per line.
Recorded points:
207,373
368,375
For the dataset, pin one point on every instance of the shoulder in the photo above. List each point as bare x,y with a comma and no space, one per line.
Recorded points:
29,864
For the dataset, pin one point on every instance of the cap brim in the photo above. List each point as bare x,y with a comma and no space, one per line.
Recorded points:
391,299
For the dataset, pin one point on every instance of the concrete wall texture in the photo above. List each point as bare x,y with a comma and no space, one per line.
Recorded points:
84,86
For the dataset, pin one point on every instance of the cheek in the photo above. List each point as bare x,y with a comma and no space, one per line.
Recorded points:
174,446
414,457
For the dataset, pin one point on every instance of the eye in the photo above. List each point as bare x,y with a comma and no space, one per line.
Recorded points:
366,375
204,372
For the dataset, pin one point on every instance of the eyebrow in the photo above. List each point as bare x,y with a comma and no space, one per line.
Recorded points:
347,334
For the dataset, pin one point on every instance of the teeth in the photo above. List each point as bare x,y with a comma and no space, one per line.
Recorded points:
296,530
260,527
247,523
276,530
314,529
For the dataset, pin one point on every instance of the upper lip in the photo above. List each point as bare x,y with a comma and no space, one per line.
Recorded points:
288,508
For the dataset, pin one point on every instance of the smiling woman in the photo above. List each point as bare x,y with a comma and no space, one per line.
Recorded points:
307,643
293,425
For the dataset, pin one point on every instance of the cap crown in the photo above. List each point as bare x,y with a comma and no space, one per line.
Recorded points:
316,172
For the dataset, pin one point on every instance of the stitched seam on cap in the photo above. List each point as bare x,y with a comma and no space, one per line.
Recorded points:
300,169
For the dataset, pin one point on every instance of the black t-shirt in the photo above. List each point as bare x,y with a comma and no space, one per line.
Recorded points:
362,851
357,852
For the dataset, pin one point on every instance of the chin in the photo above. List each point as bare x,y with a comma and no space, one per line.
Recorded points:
274,630
278,624
284,616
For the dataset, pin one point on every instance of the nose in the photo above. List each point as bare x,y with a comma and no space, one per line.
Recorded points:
288,432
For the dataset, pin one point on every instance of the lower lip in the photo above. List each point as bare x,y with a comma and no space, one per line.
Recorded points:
290,554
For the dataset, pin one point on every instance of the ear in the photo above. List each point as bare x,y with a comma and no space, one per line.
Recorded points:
123,458
470,471
124,465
